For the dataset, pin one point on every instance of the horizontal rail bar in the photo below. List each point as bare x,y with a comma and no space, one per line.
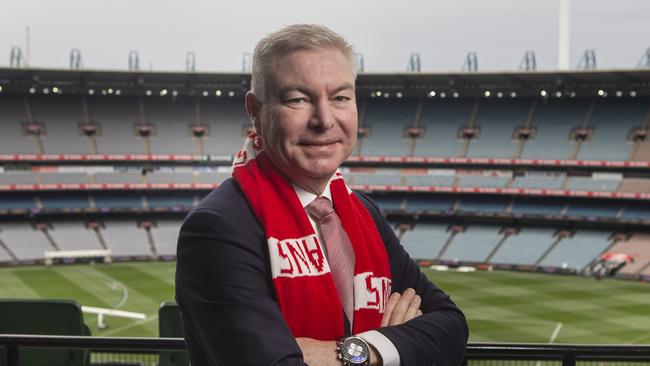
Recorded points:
477,350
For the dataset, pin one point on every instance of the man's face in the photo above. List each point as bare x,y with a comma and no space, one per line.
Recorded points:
308,122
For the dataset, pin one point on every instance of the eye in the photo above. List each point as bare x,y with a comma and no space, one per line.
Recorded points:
296,101
341,98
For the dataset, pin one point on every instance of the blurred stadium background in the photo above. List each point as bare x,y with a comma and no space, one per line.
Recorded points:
525,194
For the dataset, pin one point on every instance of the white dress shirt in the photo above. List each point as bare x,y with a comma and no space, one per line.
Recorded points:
380,342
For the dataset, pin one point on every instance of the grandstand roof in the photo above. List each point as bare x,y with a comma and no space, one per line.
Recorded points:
580,82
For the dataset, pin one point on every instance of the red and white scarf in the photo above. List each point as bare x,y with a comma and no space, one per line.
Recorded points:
301,275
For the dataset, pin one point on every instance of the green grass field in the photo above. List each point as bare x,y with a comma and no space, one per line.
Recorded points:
500,306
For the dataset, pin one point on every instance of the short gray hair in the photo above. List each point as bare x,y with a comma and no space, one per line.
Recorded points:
293,38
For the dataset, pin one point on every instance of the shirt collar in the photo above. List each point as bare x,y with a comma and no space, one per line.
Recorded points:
307,197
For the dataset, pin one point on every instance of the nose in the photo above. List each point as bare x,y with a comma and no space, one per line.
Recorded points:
322,116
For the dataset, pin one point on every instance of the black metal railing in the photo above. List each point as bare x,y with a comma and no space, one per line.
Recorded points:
483,354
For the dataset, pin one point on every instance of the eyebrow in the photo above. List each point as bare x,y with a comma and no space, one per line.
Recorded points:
302,89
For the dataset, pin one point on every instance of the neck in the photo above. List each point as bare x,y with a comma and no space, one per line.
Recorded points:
316,187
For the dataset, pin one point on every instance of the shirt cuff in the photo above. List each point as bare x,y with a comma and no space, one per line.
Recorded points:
383,345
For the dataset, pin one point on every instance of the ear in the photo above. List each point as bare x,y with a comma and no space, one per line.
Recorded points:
253,107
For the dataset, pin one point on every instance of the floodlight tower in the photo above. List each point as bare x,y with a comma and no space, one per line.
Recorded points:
361,66
246,62
471,62
190,62
563,44
414,64
75,59
645,59
134,60
16,57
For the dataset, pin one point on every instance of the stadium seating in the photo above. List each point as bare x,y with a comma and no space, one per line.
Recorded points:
13,139
632,185
483,181
473,245
73,235
165,235
24,240
578,250
538,182
538,206
227,122
592,184
483,204
124,238
526,247
51,317
553,122
61,115
418,203
441,120
64,200
387,120
612,121
430,180
170,326
171,119
117,200
593,209
17,200
497,120
116,117
636,246
425,240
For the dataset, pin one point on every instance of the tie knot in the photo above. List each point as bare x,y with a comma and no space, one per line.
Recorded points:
319,208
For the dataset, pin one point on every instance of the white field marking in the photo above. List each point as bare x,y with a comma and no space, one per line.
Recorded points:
520,321
633,341
556,331
127,326
114,285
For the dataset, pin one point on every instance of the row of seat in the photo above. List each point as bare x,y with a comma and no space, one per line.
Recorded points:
23,241
395,127
534,246
65,318
182,201
377,177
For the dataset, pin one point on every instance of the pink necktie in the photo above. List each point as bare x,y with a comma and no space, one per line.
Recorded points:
340,254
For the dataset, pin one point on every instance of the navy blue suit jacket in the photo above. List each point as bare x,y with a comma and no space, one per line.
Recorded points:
228,304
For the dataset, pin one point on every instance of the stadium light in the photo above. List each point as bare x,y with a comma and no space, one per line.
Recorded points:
118,92
231,93
32,90
543,93
572,94
386,95
487,93
110,90
632,93
432,94
174,93
0,88
499,95
46,91
104,92
513,95
443,95
205,93
55,90
378,93
619,93
163,92
399,94
91,91
148,92
218,93
455,95
558,94
602,93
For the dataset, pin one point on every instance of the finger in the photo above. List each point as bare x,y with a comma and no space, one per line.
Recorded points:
397,317
388,310
419,312
413,308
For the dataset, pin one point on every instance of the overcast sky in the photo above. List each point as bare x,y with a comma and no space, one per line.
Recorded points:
385,31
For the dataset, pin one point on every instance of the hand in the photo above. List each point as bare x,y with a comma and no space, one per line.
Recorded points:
401,308
315,352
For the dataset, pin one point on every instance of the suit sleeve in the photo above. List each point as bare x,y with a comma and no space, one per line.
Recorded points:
439,336
223,289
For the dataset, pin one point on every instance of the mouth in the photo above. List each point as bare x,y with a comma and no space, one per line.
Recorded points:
318,143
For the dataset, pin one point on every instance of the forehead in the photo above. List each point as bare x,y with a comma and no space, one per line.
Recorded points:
312,68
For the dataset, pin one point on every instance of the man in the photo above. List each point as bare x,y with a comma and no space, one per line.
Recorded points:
282,261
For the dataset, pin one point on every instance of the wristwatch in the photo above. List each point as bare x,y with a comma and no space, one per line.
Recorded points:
353,351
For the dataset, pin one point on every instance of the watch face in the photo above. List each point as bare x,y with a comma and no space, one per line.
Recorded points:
354,351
